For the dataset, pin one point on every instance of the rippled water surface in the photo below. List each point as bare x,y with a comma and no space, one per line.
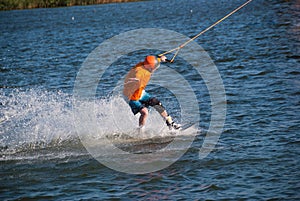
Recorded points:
255,50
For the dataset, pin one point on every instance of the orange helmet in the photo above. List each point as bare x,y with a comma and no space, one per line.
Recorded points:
151,62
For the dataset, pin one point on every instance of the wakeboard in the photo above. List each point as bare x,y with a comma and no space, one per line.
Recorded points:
149,141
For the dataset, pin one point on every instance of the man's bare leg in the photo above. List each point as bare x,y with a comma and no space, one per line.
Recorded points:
164,114
144,114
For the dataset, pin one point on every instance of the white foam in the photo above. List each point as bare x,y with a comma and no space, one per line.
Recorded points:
39,117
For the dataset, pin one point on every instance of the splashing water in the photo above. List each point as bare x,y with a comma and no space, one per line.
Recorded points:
36,119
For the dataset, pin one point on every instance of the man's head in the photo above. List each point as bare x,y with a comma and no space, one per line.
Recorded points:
151,63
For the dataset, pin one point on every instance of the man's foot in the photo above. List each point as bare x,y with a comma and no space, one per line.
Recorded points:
174,126
171,124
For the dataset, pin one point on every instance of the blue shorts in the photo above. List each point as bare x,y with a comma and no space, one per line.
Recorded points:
137,105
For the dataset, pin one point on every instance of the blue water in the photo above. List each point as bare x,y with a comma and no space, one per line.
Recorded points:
255,50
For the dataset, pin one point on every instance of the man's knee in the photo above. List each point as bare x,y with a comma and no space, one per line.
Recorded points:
144,111
154,102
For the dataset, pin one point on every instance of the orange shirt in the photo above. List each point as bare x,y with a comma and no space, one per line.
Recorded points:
135,82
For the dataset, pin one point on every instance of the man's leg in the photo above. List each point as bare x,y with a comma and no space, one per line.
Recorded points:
162,111
143,117
138,107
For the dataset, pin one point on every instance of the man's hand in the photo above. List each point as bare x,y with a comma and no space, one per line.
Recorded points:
163,58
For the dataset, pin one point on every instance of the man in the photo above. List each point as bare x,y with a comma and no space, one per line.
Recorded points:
139,100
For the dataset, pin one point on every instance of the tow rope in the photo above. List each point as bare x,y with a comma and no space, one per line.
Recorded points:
202,32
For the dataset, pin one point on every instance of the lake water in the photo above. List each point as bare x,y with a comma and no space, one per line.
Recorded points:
256,52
